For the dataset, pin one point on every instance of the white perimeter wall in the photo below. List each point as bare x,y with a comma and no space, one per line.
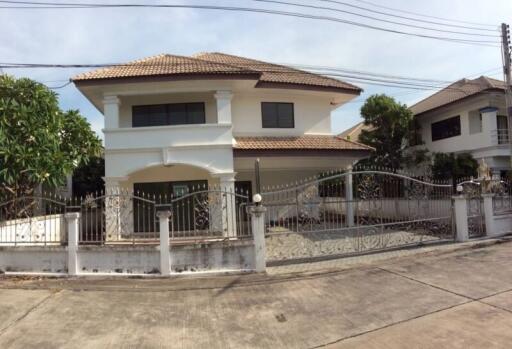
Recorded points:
214,256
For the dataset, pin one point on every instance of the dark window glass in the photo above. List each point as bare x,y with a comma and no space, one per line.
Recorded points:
277,115
446,128
168,114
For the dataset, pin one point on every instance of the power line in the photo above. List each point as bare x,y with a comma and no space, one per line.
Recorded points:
405,17
53,5
424,15
281,68
378,19
358,79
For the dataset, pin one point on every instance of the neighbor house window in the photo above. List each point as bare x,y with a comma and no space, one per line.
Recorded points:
446,128
168,114
277,115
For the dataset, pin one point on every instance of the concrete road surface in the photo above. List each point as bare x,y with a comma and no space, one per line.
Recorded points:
458,299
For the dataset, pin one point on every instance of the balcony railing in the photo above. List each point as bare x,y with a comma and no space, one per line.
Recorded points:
168,136
500,136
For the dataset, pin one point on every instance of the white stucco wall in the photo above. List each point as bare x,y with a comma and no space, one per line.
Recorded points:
214,256
312,114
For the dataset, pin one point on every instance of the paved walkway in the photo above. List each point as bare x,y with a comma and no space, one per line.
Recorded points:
448,299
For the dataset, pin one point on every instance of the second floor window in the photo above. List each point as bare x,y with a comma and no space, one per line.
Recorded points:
277,115
446,128
168,114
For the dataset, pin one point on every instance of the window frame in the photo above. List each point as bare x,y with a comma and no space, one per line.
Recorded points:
168,119
278,126
442,124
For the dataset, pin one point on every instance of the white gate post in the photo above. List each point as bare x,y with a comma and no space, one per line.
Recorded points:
228,197
488,214
165,254
258,232
72,221
460,204
349,197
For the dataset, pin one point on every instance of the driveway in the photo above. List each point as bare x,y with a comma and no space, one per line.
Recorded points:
457,299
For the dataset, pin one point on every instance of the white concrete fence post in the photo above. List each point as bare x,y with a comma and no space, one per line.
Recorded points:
460,204
165,254
349,198
72,219
258,232
490,229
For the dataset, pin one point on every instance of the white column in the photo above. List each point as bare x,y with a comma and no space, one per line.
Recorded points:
228,197
227,205
111,111
349,197
258,232
460,204
112,209
488,214
165,255
490,124
72,219
223,106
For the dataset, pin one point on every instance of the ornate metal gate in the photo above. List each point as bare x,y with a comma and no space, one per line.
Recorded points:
475,210
355,212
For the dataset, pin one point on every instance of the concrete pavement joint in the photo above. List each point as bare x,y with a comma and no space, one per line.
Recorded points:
28,312
426,283
392,324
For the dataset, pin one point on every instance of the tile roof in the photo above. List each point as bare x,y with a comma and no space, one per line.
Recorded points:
311,142
274,73
353,133
162,65
457,91
215,64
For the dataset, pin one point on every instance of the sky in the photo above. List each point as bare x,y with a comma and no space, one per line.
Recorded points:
89,36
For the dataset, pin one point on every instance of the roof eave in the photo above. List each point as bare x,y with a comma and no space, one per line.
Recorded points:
495,89
296,86
164,77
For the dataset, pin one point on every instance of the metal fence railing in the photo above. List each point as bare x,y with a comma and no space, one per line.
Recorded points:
502,199
120,216
32,220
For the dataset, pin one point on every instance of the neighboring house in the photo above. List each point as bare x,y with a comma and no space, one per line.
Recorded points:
352,134
469,116
174,122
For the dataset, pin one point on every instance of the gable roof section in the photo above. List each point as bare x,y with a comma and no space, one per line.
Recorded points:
306,142
277,74
352,134
455,92
216,65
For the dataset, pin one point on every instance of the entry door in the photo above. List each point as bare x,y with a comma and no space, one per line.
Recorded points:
183,210
242,188
184,204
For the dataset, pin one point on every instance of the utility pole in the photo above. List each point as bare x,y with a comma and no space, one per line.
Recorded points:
506,50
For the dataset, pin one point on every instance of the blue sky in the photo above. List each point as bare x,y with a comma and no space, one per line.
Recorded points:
119,35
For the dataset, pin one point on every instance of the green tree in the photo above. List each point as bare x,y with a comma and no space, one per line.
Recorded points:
390,126
451,166
39,142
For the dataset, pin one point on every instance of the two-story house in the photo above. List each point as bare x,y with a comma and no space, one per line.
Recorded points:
468,116
174,122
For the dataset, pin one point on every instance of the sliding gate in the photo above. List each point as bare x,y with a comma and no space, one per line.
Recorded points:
353,213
